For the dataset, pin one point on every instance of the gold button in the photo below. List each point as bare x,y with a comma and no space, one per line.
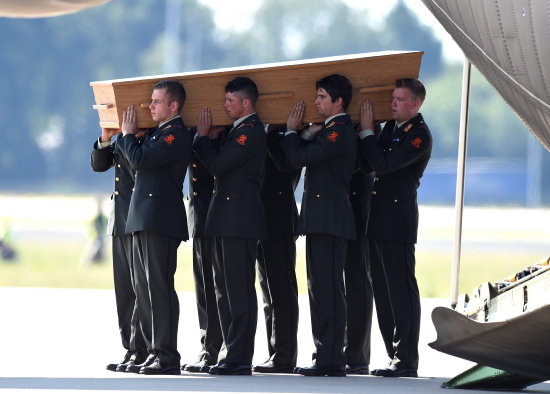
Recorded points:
132,189
194,179
117,179
116,193
194,165
395,200
376,179
195,193
118,165
374,193
354,193
150,195
227,198
214,176
318,196
304,190
213,191
280,193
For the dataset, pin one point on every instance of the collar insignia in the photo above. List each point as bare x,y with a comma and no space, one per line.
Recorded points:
406,129
245,124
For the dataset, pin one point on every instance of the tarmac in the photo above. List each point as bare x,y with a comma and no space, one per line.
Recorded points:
60,340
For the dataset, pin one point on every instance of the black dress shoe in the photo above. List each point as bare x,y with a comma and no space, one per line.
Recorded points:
271,366
231,369
395,372
159,368
134,360
314,370
357,369
112,366
135,368
201,366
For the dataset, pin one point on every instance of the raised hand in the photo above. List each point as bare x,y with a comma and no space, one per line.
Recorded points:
367,116
296,117
204,123
129,121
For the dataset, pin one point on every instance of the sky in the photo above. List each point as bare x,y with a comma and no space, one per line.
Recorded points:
229,15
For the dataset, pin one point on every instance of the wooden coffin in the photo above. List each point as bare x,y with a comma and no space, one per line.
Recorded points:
280,85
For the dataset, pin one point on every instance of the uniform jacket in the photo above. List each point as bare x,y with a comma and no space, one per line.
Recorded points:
399,160
160,163
237,162
278,188
102,160
201,185
330,161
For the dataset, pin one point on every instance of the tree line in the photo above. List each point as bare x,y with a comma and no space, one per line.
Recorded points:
47,64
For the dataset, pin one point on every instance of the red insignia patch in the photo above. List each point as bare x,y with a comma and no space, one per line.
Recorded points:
409,126
332,136
169,139
241,139
416,142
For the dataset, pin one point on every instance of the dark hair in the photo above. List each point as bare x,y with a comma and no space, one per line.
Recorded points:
174,90
336,86
418,91
245,87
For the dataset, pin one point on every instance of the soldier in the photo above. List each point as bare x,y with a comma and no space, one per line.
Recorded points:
277,259
357,277
235,219
201,185
326,216
398,156
157,219
106,155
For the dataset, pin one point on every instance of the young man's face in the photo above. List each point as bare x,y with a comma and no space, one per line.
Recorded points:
161,109
234,106
324,105
403,106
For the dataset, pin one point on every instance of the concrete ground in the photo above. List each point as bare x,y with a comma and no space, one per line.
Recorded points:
60,340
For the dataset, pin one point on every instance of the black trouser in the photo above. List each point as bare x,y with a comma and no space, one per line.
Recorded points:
277,277
125,296
209,321
236,296
325,257
359,302
397,300
158,306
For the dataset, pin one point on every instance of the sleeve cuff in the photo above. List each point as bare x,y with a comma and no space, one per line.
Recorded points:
306,135
289,132
102,144
365,133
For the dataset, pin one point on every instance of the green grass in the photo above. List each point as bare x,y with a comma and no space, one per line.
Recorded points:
60,264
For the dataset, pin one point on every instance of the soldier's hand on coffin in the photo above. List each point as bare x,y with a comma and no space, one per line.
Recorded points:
296,118
108,133
129,121
215,132
204,123
367,116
